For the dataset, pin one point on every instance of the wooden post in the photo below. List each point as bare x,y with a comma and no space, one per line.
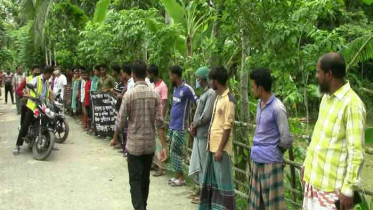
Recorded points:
292,174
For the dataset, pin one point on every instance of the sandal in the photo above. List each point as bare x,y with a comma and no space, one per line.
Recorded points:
171,180
196,200
159,173
178,183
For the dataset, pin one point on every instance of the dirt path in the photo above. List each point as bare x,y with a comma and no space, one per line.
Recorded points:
83,174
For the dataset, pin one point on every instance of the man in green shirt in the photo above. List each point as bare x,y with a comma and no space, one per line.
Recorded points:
106,82
335,157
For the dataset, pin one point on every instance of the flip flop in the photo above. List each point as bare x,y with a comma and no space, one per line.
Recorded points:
171,180
178,183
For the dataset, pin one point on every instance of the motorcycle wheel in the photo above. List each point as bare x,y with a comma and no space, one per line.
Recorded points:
62,136
42,152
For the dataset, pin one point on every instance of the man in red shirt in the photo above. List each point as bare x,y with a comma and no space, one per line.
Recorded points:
85,103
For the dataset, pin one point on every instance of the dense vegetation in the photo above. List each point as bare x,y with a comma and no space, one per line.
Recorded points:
287,36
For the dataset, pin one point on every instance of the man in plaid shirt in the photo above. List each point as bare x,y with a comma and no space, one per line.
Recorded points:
142,107
335,157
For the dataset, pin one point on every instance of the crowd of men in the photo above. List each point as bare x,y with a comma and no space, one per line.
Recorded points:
332,169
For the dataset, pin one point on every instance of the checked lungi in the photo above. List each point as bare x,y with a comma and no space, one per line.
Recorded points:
315,199
266,183
217,186
177,149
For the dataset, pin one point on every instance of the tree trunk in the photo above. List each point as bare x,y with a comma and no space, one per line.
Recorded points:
46,56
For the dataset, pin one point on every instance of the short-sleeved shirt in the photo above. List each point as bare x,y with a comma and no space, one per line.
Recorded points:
162,89
59,83
183,96
106,83
8,78
222,119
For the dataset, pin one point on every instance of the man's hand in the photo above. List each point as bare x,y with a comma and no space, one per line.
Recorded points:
193,130
113,142
164,154
347,203
218,155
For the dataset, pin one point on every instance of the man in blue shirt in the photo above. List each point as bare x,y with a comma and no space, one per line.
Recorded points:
182,98
272,138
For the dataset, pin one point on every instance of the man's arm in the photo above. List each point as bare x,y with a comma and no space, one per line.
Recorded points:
123,113
159,124
286,139
207,111
164,96
228,124
355,130
20,88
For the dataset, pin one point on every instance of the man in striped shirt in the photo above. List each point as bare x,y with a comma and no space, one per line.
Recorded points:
335,157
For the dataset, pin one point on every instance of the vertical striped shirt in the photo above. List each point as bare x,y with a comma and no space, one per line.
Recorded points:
336,154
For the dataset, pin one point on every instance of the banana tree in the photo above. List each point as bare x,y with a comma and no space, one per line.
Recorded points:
190,20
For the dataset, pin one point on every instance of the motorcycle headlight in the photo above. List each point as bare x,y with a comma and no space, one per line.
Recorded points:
49,113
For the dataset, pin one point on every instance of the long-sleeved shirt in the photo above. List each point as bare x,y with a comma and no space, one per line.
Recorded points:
222,119
142,106
336,154
203,115
272,132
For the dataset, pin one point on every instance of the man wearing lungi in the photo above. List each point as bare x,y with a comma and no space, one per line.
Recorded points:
200,128
183,97
217,187
335,157
272,138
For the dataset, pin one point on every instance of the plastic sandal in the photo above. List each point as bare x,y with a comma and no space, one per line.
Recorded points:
178,183
171,180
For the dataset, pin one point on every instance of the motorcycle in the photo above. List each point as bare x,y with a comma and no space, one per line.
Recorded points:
59,125
40,137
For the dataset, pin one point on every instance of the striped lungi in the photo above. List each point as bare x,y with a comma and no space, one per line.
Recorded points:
217,186
266,182
315,199
177,149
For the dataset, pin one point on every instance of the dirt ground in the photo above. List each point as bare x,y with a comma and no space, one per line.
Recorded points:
83,174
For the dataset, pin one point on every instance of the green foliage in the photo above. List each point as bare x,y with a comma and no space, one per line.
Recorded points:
101,11
369,136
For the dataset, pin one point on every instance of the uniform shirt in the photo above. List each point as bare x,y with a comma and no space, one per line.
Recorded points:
105,83
222,119
203,115
182,98
142,107
44,89
272,131
336,154
59,83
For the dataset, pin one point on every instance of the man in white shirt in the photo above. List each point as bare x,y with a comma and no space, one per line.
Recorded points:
60,82
131,83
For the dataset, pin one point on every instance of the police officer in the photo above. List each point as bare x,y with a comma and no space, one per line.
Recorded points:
42,89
